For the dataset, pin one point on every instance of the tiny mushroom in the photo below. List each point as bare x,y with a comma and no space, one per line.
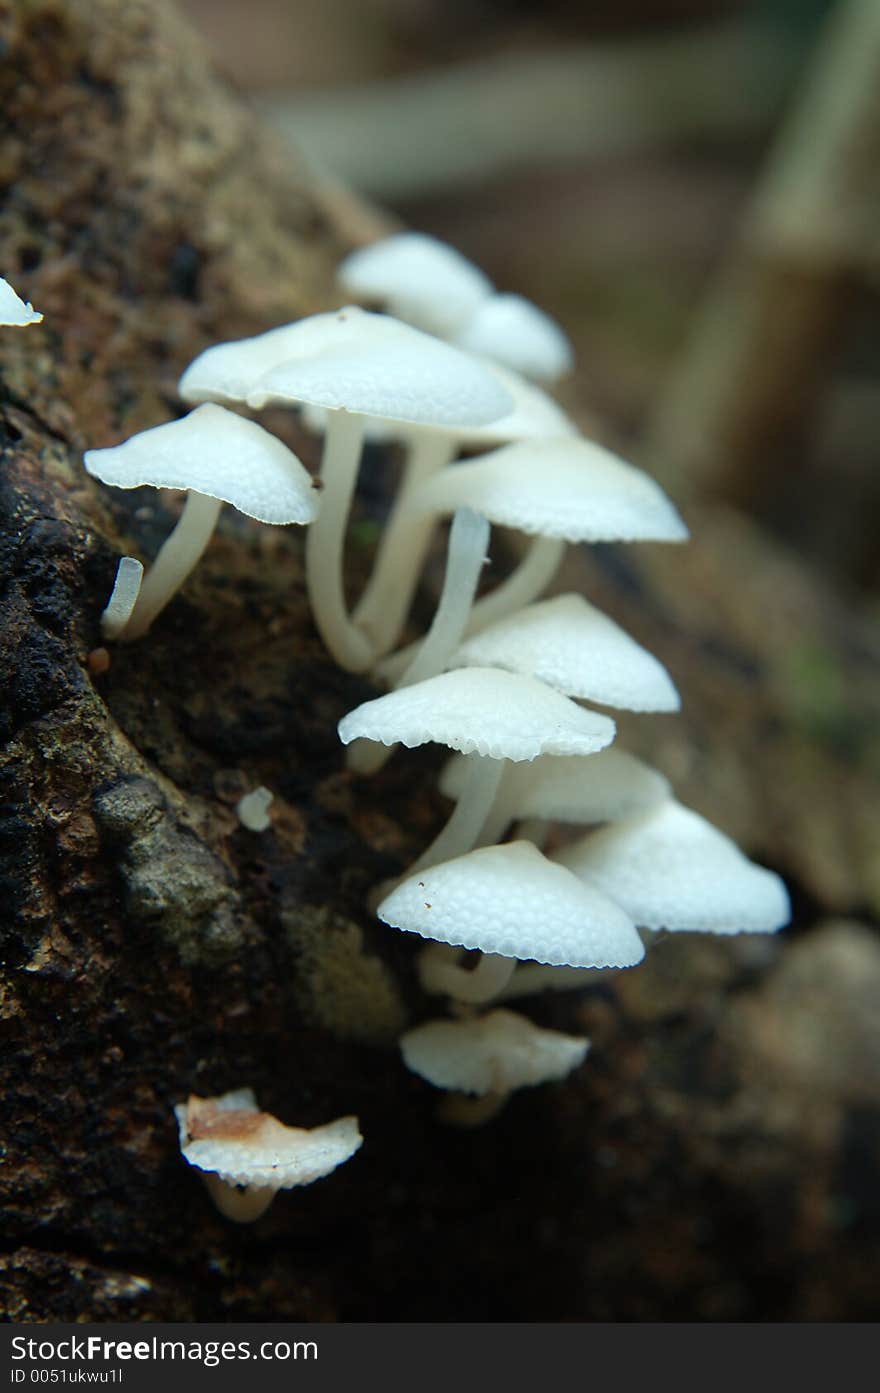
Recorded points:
419,279
253,809
671,869
512,901
14,311
489,1057
247,1156
489,715
515,332
218,457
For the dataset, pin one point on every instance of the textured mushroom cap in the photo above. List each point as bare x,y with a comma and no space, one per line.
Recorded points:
228,371
495,1053
230,1137
567,488
482,711
13,310
671,869
215,452
515,332
598,788
377,366
511,900
419,278
573,647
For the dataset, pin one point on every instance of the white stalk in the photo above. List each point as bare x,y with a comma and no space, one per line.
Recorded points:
325,540
385,603
123,597
176,557
242,1204
460,1110
533,574
466,555
463,828
530,978
441,974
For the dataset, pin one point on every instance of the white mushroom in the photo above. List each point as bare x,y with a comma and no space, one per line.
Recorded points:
253,809
573,647
14,311
381,368
491,716
218,457
557,490
605,787
511,901
515,332
247,1156
488,1057
419,278
671,869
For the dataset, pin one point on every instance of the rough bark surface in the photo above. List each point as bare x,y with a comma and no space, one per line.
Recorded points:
716,1156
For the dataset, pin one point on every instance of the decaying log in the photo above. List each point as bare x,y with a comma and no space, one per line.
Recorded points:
705,1163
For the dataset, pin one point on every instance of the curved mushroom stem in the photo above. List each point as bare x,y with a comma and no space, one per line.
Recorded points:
466,555
441,974
241,1203
534,572
460,1110
532,575
530,978
382,609
463,828
176,557
325,540
123,597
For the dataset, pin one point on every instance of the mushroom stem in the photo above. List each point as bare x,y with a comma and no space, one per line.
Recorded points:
460,1110
241,1203
441,974
123,597
176,557
463,828
324,543
382,609
534,572
532,575
465,557
530,978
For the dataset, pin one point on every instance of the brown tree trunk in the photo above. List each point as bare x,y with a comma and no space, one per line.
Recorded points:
152,946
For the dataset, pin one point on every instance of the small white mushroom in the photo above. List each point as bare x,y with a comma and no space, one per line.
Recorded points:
605,787
557,490
253,809
218,457
377,367
488,1057
484,713
512,901
247,1156
671,869
515,332
419,278
14,311
572,646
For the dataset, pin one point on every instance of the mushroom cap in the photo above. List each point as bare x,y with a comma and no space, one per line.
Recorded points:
511,900
573,647
483,711
605,787
563,487
374,365
419,278
215,452
495,1053
14,311
515,332
671,869
228,371
230,1137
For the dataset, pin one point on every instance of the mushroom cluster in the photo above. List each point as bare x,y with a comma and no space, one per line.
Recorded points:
504,679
